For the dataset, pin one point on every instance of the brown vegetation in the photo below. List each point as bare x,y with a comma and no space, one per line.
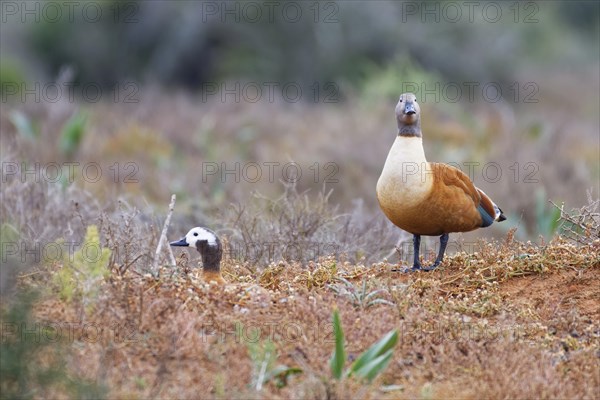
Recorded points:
512,320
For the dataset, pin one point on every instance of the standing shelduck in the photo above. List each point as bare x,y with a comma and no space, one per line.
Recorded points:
209,246
425,198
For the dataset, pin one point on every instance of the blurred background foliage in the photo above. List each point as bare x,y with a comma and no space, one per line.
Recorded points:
188,43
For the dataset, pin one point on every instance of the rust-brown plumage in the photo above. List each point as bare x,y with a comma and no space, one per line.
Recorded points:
428,198
213,276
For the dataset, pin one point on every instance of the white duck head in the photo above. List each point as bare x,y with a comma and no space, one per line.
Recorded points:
208,245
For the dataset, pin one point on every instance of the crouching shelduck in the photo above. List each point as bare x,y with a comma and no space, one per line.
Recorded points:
426,198
209,246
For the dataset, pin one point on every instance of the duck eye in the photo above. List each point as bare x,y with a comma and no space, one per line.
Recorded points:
400,100
195,233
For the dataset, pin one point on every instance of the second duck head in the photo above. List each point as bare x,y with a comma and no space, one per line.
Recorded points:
208,245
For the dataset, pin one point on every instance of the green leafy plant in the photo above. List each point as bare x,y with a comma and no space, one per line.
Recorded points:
33,363
72,134
370,363
360,298
83,271
264,363
12,77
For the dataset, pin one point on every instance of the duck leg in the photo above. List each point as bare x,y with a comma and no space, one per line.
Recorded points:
416,244
417,264
440,257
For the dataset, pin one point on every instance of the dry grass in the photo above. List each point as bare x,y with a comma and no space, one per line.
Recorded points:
514,320
304,227
582,225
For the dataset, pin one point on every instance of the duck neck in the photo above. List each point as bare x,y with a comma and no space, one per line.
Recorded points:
211,256
409,130
212,264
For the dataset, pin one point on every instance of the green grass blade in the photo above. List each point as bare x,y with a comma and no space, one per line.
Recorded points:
370,370
338,358
375,293
376,350
380,301
344,281
72,134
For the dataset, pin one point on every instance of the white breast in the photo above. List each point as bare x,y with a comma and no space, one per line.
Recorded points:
407,176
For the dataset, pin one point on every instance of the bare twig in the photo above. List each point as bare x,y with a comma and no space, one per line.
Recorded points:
163,239
581,225
124,269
